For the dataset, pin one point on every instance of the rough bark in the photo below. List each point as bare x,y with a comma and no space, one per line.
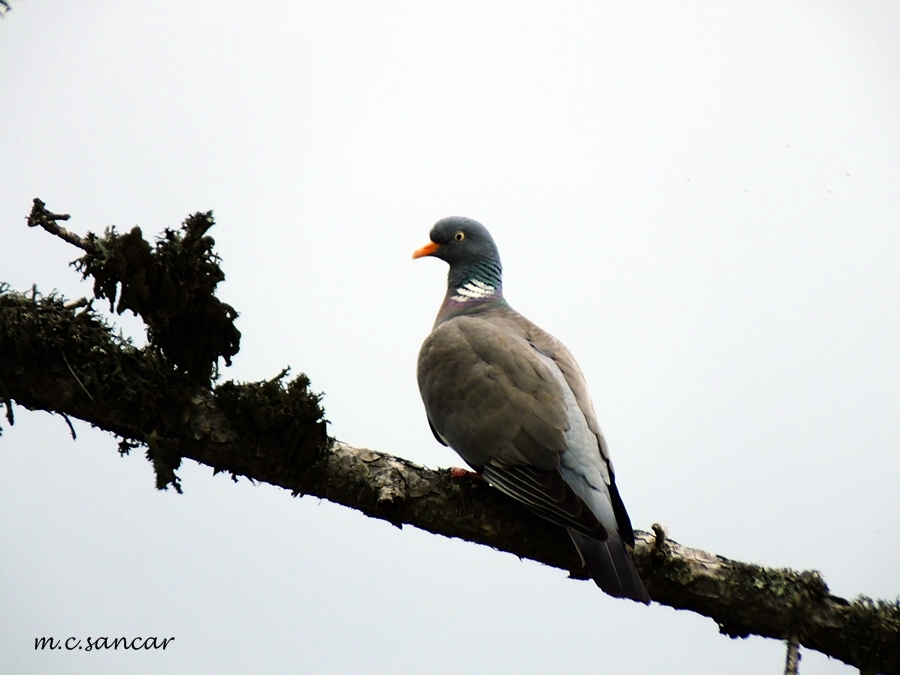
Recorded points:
64,358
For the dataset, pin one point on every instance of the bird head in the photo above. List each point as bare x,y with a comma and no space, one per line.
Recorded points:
460,242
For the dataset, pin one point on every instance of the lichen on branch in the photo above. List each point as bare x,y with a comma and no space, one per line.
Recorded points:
170,285
143,393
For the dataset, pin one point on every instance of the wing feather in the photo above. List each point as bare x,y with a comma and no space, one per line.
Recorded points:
548,494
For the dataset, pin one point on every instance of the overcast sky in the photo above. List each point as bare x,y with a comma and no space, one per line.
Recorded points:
702,200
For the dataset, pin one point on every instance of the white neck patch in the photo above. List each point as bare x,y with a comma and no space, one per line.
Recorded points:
473,290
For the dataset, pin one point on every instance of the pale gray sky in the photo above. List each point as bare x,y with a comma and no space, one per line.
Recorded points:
701,199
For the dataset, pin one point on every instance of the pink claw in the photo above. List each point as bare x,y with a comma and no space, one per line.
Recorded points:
456,474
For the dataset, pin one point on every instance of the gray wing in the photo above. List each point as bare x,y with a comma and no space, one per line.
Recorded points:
490,397
590,440
511,400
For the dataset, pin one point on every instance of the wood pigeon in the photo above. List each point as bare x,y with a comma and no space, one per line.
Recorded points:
511,400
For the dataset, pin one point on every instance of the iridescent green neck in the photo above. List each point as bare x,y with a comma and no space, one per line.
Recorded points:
472,288
477,282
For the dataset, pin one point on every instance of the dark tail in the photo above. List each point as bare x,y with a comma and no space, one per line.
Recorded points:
611,567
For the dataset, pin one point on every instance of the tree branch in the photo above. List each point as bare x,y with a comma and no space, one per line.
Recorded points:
64,358
41,217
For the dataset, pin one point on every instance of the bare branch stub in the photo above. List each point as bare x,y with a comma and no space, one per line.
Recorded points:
41,217
792,661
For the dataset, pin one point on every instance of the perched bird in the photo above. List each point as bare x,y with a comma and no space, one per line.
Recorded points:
510,399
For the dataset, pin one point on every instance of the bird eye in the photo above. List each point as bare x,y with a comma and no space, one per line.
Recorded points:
459,236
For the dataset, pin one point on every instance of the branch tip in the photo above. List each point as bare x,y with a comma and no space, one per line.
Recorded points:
41,217
71,428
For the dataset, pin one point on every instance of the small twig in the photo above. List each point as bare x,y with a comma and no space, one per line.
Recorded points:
41,217
71,428
280,376
792,663
75,376
75,304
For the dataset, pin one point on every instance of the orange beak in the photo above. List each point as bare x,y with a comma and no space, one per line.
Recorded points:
427,249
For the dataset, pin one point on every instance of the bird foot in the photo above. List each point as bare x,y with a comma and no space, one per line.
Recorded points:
461,481
456,473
